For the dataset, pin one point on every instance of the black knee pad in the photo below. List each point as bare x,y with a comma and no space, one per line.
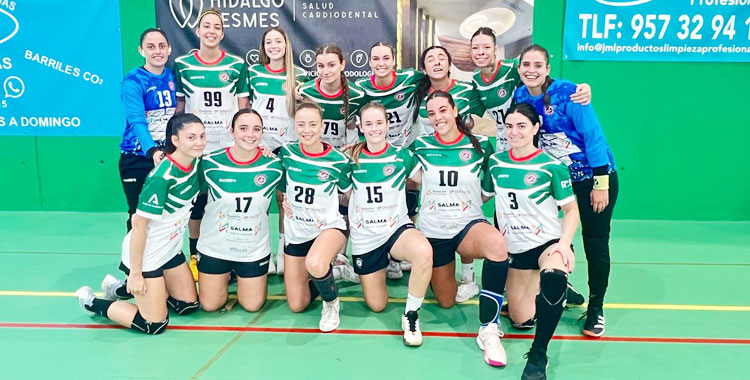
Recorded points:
412,198
150,328
344,210
182,307
528,325
553,284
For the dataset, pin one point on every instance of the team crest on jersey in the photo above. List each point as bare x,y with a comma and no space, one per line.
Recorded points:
530,178
171,85
323,175
502,92
400,96
549,109
465,155
260,179
224,77
342,111
389,169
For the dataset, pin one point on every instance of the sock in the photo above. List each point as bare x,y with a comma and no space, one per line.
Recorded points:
326,286
100,307
122,292
549,306
467,271
413,303
494,274
193,246
280,249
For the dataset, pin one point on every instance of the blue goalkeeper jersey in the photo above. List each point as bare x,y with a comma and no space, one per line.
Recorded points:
570,132
149,101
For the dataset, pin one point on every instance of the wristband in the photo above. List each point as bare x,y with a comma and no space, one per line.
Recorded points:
601,182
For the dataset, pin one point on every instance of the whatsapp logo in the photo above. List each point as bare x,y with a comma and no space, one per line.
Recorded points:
13,87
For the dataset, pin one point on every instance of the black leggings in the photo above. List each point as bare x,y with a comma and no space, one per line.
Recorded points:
133,171
595,230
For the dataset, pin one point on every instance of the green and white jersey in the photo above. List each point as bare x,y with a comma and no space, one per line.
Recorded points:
496,94
311,184
466,99
451,195
211,90
166,199
235,226
268,90
334,120
527,192
378,204
398,100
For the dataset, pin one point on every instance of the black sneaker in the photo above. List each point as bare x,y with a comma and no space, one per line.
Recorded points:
574,297
410,327
594,325
536,365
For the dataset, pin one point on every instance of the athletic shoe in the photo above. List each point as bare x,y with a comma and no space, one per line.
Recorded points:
536,365
342,270
329,317
467,289
488,340
271,266
594,325
504,310
405,266
85,297
109,285
410,327
194,267
280,263
574,296
393,271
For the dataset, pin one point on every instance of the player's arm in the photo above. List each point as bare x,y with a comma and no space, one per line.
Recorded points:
582,95
180,107
136,283
179,94
135,113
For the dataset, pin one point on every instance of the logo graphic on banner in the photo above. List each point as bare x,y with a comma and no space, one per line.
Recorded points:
307,58
359,58
186,9
13,87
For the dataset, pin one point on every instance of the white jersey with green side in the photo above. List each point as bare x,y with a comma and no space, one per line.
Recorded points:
268,89
235,226
377,207
166,200
496,94
528,192
311,184
452,173
398,100
211,90
334,120
467,103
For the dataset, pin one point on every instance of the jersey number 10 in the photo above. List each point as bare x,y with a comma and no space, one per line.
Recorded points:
449,178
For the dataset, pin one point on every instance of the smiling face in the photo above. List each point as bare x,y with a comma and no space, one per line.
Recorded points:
210,31
247,131
520,131
442,115
274,45
190,141
155,49
330,67
436,64
533,69
374,125
381,61
308,123
483,50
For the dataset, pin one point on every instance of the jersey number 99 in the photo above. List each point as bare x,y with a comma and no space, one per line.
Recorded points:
212,99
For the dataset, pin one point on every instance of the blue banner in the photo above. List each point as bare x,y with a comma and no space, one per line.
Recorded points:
657,30
60,68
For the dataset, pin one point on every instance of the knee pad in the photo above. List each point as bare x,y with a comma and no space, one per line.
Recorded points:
412,197
343,210
553,284
528,325
150,328
182,307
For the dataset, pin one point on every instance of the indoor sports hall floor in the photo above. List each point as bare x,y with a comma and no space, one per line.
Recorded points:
678,308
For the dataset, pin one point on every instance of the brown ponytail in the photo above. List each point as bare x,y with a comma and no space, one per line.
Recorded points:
460,122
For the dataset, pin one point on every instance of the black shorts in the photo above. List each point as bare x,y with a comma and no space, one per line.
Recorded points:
301,249
212,265
377,259
530,258
199,207
176,261
444,250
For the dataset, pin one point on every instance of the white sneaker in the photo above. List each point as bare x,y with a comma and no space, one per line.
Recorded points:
393,271
329,317
488,340
467,289
343,270
85,297
110,283
410,327
280,263
405,266
271,266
